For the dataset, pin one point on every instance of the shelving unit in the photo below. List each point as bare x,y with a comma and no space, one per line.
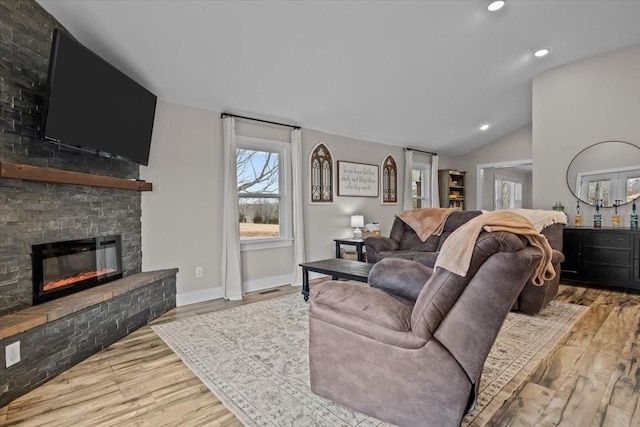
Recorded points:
452,191
60,176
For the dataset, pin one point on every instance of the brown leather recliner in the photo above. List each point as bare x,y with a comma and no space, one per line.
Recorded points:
416,364
404,243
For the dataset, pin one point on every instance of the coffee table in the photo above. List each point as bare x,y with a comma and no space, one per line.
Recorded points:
337,268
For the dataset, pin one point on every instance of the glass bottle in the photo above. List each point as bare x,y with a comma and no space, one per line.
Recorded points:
616,217
634,216
578,219
597,217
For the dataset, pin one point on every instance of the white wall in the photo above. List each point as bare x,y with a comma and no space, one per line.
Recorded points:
577,105
181,216
325,222
573,106
514,146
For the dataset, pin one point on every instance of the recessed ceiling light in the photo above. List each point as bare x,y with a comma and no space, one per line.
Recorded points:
495,5
484,126
541,52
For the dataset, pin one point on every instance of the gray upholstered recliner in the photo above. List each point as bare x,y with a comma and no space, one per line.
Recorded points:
416,364
404,243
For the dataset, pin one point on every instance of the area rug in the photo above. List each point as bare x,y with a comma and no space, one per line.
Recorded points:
254,358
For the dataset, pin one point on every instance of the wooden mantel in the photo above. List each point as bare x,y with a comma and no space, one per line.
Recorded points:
60,176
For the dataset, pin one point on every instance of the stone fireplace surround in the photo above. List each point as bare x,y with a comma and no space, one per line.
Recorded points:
58,334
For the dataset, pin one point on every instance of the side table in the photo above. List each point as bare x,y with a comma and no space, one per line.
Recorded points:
358,243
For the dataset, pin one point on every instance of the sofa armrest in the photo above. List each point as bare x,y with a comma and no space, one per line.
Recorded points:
401,277
557,257
381,243
377,244
366,311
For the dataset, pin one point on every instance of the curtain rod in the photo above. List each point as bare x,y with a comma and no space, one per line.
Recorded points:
420,151
223,115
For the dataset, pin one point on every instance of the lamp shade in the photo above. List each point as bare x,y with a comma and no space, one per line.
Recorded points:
357,221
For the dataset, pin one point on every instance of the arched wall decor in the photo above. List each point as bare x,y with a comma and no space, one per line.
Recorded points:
321,167
389,180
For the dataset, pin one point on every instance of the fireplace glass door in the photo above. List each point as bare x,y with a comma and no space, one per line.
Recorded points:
62,268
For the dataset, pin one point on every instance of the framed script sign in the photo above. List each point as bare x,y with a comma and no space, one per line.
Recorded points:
357,179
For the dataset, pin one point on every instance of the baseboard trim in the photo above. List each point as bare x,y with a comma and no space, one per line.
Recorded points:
194,297
266,283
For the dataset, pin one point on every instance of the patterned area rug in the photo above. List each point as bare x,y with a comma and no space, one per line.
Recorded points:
255,359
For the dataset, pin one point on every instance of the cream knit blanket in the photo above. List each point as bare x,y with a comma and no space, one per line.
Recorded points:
541,218
456,251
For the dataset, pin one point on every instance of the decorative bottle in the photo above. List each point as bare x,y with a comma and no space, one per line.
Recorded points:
615,221
597,217
578,219
634,216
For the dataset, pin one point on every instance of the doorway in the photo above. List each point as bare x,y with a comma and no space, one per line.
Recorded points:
504,185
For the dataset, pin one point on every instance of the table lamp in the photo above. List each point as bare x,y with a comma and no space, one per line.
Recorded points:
357,221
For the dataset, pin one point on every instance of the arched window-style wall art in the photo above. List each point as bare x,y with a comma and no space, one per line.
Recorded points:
389,181
321,174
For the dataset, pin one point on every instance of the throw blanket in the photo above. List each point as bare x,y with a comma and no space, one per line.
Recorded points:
541,218
456,252
426,221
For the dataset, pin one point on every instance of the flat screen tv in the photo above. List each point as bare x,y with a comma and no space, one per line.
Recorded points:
92,106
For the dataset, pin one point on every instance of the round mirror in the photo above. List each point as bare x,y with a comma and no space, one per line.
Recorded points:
607,172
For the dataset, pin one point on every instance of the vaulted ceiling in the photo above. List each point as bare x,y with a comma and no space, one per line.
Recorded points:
424,74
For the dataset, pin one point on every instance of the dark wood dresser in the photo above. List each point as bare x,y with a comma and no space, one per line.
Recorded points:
605,256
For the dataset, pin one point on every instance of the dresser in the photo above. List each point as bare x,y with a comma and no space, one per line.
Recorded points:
601,256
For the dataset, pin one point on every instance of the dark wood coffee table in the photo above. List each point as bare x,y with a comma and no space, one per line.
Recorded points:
337,268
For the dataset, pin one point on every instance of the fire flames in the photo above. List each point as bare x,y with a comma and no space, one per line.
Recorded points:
77,278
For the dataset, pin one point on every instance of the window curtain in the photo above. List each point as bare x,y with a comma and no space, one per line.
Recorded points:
298,218
435,192
230,264
407,197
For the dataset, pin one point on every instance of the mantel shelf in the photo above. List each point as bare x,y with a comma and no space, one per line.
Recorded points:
60,176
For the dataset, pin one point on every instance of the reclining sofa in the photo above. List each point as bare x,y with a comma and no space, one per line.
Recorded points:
404,243
416,363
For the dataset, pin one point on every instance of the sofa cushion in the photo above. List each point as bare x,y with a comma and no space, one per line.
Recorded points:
399,277
359,300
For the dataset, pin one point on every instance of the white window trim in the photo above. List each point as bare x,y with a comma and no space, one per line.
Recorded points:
425,170
286,203
617,176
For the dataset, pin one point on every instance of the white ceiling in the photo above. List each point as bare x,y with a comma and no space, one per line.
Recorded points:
410,73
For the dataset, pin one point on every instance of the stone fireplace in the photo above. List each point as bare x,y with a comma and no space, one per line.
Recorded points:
55,335
36,212
63,268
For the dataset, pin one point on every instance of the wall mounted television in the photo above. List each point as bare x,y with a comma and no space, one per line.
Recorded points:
92,106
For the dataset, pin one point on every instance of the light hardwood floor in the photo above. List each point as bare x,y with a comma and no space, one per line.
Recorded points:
593,379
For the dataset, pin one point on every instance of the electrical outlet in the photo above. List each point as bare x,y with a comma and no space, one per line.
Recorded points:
198,272
12,353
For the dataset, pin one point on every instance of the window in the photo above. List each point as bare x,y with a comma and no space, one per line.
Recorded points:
420,185
508,192
633,188
598,192
321,175
609,187
264,193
